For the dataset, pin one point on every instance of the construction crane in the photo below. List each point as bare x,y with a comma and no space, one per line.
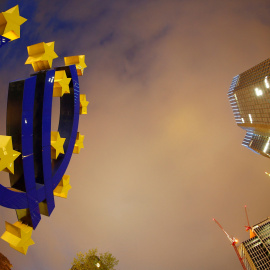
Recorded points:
233,243
248,227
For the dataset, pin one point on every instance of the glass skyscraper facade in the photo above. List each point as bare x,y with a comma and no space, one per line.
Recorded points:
255,252
249,95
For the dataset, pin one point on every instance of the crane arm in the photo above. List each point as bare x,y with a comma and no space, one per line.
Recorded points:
247,227
231,240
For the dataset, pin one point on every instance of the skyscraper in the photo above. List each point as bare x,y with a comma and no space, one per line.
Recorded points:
255,252
249,96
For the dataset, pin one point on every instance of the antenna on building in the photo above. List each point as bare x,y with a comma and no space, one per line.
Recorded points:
248,227
233,243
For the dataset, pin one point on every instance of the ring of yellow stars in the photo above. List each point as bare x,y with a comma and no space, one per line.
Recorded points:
7,154
63,187
61,83
78,60
10,22
57,144
78,144
41,55
18,236
83,104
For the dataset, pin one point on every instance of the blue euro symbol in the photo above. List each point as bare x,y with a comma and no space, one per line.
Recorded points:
29,113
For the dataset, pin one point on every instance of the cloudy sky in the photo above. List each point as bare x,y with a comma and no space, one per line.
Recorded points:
163,154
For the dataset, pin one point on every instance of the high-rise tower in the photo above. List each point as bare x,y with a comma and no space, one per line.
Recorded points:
249,96
255,252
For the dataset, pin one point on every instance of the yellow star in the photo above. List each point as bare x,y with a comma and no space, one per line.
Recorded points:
10,22
63,187
83,104
7,154
78,60
78,144
57,144
61,83
18,236
41,55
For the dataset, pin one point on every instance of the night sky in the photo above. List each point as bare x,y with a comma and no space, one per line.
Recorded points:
163,153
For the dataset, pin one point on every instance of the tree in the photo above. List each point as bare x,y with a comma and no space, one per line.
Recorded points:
91,260
4,263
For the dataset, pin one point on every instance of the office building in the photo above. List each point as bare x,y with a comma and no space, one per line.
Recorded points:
249,95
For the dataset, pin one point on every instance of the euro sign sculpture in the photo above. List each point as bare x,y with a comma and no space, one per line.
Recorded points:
36,157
